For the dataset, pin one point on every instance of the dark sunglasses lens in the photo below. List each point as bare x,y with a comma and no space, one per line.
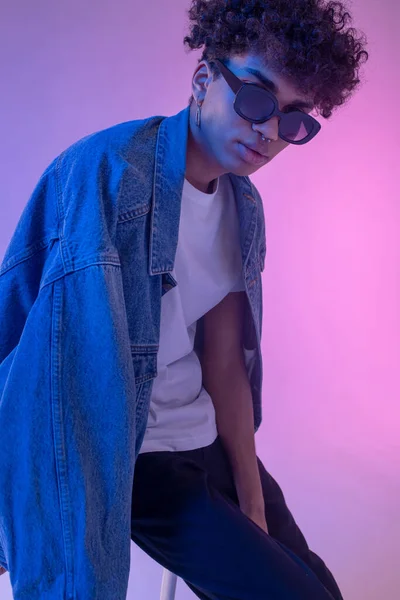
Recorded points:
254,103
295,126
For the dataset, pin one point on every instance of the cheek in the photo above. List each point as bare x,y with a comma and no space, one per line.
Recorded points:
223,114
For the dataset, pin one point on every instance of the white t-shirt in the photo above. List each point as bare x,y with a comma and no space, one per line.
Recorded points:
208,266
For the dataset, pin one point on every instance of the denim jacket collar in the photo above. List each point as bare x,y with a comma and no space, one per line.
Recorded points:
169,174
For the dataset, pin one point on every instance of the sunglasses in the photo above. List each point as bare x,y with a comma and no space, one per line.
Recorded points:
257,105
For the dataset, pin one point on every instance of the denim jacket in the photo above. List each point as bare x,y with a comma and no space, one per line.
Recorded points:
80,302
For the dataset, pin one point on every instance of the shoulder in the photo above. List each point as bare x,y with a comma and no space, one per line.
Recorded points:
108,147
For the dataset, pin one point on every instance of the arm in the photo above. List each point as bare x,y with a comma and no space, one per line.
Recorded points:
225,379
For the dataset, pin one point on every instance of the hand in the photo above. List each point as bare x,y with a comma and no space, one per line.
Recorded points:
258,517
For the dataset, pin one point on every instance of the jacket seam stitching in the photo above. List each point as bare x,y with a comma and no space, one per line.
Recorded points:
59,451
29,252
71,272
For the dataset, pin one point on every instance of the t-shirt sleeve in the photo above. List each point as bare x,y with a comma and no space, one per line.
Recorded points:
239,287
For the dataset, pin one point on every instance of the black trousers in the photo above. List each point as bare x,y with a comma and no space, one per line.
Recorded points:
186,516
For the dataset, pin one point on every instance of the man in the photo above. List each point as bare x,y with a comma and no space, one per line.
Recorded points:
130,363
203,504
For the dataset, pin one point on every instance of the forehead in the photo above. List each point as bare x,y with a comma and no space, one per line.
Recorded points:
252,66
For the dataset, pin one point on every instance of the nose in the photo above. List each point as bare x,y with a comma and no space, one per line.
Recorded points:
269,128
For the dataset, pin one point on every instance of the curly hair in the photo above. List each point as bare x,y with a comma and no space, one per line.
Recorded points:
305,41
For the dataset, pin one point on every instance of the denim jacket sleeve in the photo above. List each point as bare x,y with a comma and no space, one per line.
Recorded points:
67,411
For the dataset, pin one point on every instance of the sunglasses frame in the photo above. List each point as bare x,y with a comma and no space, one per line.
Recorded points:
237,85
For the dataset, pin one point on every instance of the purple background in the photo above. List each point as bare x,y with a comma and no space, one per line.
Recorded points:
331,339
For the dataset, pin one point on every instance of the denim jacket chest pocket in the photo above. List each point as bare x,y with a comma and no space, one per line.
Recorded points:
144,359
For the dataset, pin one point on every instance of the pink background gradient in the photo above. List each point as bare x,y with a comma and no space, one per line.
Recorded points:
331,339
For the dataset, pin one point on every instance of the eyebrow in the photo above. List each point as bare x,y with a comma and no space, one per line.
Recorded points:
273,88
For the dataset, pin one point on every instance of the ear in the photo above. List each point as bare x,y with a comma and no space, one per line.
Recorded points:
202,78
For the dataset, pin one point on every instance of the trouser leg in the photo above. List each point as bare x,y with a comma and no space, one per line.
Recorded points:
185,515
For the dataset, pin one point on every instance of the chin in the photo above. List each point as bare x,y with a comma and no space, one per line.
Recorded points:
244,170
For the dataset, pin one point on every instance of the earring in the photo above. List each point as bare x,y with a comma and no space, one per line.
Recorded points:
198,116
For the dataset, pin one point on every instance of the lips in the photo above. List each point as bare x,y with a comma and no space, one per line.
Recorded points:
252,156
258,150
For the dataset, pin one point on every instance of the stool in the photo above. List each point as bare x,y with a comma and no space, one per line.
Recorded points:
168,585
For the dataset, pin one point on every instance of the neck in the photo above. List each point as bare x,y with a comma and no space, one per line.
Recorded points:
201,170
